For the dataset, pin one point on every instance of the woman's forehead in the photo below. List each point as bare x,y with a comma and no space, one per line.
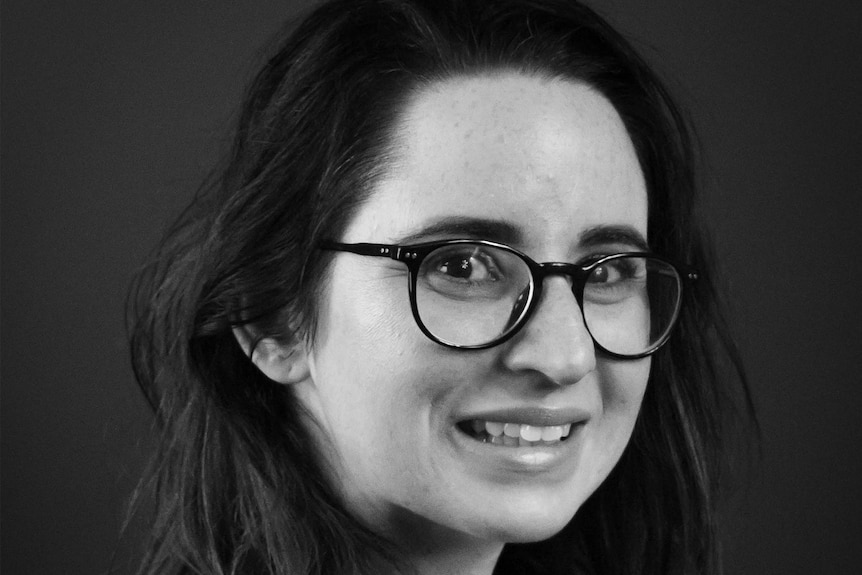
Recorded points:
550,157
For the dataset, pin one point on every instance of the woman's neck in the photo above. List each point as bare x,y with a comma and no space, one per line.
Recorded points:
432,549
469,558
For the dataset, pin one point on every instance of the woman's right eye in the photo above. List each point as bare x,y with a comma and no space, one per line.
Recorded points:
472,266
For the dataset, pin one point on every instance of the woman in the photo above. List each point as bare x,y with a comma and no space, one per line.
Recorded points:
446,310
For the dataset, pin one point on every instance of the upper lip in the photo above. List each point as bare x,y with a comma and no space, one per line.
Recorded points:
538,416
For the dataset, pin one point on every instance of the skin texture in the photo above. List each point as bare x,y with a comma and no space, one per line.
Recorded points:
552,159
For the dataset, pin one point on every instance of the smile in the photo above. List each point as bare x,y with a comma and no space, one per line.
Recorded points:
515,434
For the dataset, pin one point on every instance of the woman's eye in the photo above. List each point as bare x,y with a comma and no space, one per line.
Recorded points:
473,267
615,271
604,273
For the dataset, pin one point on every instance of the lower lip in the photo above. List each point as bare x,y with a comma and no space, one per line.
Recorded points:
531,460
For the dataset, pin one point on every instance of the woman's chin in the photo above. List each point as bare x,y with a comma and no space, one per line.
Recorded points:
528,526
534,534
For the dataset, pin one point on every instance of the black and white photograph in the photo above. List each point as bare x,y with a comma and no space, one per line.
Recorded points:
431,287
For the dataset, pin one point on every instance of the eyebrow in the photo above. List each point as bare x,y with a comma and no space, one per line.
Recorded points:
598,236
507,233
467,228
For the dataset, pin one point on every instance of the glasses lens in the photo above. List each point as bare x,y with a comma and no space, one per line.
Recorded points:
631,302
470,294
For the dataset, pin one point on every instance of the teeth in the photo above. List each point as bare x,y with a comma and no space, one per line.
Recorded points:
531,433
492,427
516,434
552,433
512,430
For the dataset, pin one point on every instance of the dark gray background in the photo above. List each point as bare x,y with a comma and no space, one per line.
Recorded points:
113,111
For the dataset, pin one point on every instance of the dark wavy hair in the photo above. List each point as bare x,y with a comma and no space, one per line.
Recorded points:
236,484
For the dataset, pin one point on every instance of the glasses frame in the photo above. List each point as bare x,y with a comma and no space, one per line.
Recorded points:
413,255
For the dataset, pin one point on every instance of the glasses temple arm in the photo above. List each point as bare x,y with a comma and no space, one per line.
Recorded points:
364,249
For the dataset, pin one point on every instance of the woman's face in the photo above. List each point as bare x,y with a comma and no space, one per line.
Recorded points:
548,168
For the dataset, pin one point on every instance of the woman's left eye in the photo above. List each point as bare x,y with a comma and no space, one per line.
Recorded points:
615,271
604,274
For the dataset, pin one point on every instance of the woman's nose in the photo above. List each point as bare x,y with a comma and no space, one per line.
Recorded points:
555,341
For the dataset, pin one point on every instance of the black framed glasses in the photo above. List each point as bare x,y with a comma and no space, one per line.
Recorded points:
475,294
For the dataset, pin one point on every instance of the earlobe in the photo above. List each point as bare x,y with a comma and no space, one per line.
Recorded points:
282,363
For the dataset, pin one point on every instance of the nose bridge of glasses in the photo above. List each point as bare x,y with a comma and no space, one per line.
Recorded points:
555,337
575,273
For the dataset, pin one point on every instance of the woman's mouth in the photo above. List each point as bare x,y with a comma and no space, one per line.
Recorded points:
515,434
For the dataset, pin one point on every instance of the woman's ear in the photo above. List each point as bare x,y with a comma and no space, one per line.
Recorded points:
282,363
